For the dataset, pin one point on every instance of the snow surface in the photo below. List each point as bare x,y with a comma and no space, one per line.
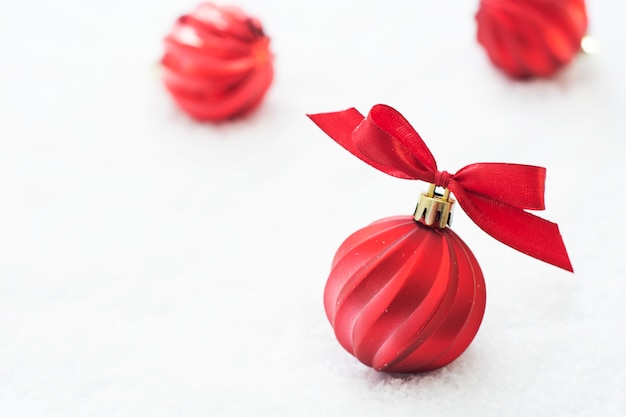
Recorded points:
153,266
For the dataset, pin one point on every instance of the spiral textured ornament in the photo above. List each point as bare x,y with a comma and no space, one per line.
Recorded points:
217,63
528,38
405,294
405,297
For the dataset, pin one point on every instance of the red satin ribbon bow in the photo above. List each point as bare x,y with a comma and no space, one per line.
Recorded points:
494,195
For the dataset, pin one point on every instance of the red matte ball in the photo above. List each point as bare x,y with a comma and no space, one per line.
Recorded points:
528,38
217,62
405,297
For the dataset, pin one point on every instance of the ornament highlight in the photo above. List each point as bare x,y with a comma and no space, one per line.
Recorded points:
531,38
217,63
405,294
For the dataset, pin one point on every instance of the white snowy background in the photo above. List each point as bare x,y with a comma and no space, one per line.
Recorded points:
153,266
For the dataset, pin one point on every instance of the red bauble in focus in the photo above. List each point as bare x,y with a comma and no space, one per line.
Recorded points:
405,297
405,294
528,38
217,62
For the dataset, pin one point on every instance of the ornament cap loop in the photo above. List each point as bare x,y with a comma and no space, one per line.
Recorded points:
435,209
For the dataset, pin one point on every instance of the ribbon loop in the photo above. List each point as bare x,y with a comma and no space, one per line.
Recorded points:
494,195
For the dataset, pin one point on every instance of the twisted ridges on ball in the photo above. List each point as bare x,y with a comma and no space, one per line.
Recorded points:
217,63
403,297
529,38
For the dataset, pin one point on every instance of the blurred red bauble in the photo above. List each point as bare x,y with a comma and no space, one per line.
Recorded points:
528,38
405,297
217,62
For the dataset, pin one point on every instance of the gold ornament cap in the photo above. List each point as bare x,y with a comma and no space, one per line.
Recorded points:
434,209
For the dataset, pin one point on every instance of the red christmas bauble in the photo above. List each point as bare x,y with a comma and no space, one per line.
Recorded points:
403,296
217,62
527,38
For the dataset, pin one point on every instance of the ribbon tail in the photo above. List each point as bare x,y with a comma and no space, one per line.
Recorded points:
516,228
340,127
